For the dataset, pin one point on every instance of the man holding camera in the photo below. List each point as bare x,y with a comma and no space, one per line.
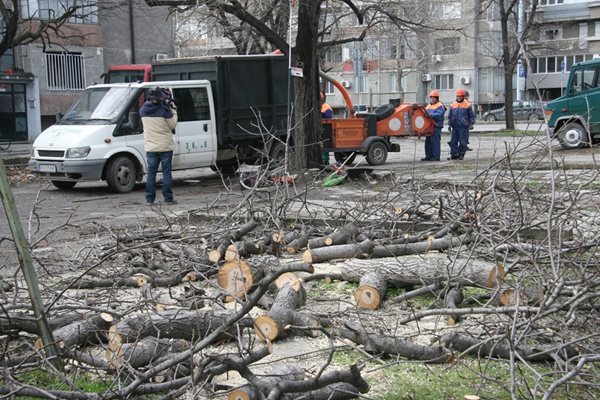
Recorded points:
159,118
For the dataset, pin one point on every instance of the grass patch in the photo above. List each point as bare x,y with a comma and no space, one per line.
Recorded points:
490,380
512,132
45,380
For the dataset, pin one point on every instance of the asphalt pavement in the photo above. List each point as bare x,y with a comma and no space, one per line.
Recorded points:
18,153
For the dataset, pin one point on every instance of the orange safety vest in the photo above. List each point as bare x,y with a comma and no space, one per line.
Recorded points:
326,107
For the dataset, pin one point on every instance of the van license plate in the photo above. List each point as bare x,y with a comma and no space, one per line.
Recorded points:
47,168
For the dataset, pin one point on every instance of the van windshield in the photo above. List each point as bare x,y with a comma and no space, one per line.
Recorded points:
100,105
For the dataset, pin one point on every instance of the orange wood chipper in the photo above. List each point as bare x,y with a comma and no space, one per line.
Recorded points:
370,134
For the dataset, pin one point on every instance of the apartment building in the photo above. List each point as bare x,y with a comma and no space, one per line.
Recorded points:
567,31
39,80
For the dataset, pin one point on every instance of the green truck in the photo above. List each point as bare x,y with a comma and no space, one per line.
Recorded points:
574,118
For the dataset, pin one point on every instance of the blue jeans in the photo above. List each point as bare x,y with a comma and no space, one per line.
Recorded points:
459,141
432,145
165,159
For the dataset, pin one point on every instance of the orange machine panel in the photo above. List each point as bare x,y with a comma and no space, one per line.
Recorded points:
407,119
348,133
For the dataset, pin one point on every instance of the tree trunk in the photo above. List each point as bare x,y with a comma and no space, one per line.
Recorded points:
413,270
343,251
393,345
308,117
396,250
283,313
143,352
238,276
371,291
176,323
217,254
343,235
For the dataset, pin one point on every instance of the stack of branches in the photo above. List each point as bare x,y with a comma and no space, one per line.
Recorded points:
512,270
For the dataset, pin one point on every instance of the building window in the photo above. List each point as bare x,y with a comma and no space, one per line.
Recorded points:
444,81
393,82
329,88
491,80
86,11
551,2
448,9
552,34
552,64
447,45
333,54
489,10
491,44
65,71
364,84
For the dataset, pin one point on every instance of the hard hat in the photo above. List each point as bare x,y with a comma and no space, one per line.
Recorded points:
460,92
434,93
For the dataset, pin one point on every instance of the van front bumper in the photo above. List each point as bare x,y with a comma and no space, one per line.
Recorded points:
68,170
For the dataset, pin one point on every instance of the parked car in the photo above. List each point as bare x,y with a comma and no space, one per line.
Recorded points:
528,110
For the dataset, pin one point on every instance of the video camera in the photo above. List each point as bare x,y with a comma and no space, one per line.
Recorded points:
160,95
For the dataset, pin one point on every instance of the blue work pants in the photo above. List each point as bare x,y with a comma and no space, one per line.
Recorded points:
165,159
432,145
458,142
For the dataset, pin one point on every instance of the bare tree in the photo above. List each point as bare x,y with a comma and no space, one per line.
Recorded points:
313,34
511,50
20,26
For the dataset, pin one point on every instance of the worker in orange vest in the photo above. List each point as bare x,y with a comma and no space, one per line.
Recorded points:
436,111
460,120
326,110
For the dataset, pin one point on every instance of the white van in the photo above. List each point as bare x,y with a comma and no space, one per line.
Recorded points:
100,136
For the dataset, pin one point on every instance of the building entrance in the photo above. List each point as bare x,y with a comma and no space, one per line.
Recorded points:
13,112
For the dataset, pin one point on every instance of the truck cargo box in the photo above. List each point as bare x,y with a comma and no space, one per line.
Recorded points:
244,87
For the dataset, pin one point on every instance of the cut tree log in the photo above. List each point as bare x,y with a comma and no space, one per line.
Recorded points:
422,247
377,343
370,291
300,242
421,270
237,278
417,292
343,235
173,323
343,251
143,352
242,249
89,330
218,253
282,314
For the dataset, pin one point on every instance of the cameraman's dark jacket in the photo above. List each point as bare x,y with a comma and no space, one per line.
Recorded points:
158,120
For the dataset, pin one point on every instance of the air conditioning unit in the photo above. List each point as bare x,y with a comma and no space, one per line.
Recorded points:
436,58
426,78
465,80
160,56
346,84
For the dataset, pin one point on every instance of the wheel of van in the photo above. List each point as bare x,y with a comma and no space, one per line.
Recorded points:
120,174
490,117
64,185
377,153
229,167
573,136
346,157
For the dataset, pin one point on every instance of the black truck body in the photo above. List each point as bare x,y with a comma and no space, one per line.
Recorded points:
250,93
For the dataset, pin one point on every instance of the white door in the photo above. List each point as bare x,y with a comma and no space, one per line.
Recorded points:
194,136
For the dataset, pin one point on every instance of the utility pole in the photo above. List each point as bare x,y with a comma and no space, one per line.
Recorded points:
521,69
